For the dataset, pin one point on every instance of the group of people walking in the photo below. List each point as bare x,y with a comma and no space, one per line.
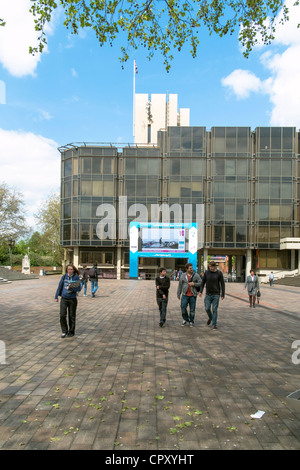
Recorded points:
190,286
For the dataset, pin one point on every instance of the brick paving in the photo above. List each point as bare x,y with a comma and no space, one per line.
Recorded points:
124,383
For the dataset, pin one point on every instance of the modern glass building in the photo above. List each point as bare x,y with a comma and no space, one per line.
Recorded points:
247,181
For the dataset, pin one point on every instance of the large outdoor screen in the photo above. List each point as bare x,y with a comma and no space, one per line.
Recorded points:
163,240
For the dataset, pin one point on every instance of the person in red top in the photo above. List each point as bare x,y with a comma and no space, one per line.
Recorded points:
188,284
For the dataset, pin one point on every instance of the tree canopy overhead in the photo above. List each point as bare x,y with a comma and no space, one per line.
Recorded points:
164,25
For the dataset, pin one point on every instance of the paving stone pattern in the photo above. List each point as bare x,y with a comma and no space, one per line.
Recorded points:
124,383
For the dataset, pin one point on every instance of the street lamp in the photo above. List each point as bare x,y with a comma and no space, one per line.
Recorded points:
11,244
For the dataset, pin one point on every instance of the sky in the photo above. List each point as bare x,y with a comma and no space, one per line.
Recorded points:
77,91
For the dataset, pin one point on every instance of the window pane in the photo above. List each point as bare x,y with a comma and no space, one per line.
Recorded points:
97,165
264,168
286,212
241,233
85,210
108,188
196,167
68,167
219,211
175,166
287,168
286,190
241,167
130,166
263,191
186,167
274,212
219,167
97,188
86,188
263,212
219,139
86,165
142,167
153,166
230,167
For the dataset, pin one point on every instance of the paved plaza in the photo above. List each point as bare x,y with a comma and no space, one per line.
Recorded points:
124,383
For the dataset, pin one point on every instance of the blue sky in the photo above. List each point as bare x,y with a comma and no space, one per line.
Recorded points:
77,91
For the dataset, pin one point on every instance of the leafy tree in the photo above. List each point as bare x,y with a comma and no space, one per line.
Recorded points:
48,218
164,25
12,219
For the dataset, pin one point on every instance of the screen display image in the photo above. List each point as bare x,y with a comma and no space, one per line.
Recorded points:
164,240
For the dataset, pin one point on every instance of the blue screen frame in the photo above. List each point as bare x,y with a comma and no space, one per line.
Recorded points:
134,254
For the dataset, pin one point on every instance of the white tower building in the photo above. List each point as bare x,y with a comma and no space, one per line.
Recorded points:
155,112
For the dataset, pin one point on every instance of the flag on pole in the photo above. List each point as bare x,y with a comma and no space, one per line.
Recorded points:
135,67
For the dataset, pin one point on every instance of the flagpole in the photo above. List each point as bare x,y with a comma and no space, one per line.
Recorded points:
134,99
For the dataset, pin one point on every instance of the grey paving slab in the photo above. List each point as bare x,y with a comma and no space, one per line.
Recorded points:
124,383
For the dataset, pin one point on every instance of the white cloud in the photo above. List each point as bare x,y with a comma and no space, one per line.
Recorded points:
31,165
282,86
243,82
16,38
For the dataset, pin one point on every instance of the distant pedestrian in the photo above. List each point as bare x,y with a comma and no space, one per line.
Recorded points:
252,286
215,287
84,276
271,279
187,289
68,302
162,283
93,276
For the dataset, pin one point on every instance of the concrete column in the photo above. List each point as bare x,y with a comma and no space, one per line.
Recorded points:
76,256
205,255
119,262
248,262
292,260
238,266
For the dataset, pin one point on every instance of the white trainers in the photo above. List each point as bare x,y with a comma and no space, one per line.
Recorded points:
183,323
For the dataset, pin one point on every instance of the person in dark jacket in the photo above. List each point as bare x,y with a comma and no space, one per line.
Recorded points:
84,277
68,303
188,286
93,275
215,287
162,283
252,286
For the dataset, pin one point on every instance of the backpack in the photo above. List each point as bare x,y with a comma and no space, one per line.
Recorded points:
92,272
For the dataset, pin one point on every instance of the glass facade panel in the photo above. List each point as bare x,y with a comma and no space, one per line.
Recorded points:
86,165
250,199
68,167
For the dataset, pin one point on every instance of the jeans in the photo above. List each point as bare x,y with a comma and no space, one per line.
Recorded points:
191,301
84,284
94,286
162,305
68,308
211,303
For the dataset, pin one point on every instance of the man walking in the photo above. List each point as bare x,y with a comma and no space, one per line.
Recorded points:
93,275
162,283
188,284
215,286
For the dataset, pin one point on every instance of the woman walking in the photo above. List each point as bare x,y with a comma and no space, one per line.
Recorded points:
68,288
252,286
